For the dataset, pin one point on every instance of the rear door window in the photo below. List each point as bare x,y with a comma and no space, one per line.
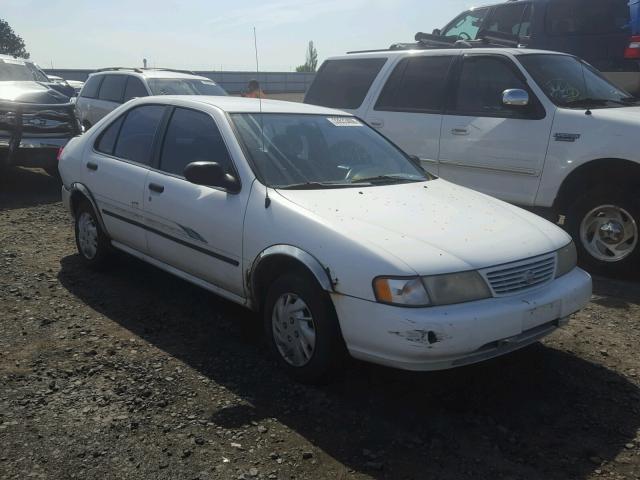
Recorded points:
588,17
107,141
511,20
90,89
344,83
138,133
134,89
192,137
112,88
417,84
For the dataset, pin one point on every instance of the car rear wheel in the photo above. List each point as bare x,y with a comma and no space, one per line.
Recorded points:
302,329
606,227
93,244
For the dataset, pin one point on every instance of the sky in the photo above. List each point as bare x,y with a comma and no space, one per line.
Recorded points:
214,35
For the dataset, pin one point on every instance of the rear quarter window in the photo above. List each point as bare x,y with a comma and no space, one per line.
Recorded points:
344,83
587,17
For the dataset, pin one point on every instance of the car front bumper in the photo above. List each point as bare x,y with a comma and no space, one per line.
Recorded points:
439,338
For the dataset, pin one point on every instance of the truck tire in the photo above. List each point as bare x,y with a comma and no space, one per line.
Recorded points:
606,227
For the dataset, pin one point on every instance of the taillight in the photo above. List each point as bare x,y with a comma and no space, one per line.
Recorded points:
633,50
60,150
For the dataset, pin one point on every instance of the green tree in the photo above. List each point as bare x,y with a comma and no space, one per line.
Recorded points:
10,43
311,63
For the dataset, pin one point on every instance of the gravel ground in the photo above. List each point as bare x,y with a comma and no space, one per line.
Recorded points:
135,374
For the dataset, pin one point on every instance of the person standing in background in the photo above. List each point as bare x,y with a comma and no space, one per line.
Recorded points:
254,90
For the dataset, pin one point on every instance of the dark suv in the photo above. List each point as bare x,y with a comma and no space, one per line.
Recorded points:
36,121
600,31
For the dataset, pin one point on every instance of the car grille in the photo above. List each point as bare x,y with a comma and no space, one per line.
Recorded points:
520,276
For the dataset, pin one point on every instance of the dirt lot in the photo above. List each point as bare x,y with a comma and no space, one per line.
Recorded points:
135,374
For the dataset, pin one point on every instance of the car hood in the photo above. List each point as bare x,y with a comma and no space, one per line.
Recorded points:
433,227
30,92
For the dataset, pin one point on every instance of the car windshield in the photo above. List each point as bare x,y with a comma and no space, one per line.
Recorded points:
20,71
299,151
182,86
570,82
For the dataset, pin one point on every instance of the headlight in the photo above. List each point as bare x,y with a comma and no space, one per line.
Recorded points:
408,292
567,259
431,291
456,288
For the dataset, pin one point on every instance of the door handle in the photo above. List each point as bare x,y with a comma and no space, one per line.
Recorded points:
92,166
376,123
154,187
460,131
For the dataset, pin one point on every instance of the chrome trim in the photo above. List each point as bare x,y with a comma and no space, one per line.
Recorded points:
522,276
515,97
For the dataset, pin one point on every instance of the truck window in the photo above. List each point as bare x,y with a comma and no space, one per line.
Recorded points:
466,26
344,83
482,81
587,17
417,84
511,20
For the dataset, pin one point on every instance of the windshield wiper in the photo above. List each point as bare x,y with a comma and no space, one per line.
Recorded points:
388,178
593,102
313,186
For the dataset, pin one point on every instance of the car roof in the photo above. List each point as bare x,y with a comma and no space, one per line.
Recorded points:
442,51
151,73
241,104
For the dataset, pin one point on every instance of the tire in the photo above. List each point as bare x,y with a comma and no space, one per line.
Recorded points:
286,337
606,226
93,244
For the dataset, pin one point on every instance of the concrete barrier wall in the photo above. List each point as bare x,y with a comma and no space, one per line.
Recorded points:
232,82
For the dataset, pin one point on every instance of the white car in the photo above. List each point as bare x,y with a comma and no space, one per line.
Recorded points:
108,88
535,128
313,218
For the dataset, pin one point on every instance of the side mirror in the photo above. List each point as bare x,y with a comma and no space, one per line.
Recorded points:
515,97
211,174
436,31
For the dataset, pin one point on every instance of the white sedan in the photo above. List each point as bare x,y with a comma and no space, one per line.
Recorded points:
314,219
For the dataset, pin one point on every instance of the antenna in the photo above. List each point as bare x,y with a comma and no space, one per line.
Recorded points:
267,200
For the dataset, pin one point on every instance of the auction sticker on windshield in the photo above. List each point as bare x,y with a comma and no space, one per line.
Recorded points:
345,121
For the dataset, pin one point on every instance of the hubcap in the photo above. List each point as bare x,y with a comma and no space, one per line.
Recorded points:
294,331
609,233
87,236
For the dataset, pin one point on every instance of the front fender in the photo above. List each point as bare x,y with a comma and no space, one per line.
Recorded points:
320,272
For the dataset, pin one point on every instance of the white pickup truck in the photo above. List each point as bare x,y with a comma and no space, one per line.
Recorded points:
535,128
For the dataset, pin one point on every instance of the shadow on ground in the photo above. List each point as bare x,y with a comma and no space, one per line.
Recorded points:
23,188
539,413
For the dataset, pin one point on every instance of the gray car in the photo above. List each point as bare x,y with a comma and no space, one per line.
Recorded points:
109,88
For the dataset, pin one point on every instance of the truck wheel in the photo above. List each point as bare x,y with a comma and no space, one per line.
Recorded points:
606,229
302,329
93,244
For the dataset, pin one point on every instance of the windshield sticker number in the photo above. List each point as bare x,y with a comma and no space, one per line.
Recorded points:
345,121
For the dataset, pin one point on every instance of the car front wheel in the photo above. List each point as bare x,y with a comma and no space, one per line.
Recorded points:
606,227
302,329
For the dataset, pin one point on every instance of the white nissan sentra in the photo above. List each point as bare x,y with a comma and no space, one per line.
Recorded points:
314,219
